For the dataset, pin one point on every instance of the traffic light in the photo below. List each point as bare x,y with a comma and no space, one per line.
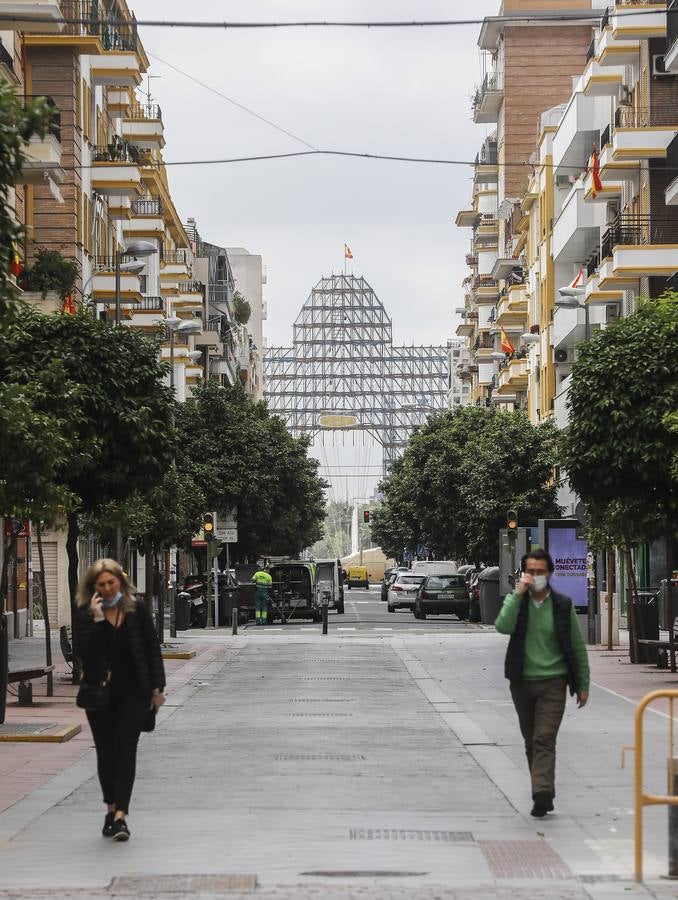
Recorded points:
512,524
366,516
208,526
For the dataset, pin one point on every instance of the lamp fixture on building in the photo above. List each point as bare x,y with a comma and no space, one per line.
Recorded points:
136,249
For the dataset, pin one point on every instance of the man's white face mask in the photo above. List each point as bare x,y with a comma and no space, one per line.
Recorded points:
539,583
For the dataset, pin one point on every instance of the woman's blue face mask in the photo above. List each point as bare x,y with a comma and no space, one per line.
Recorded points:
109,604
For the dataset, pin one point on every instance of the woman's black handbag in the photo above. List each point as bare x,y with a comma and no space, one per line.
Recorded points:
149,721
94,697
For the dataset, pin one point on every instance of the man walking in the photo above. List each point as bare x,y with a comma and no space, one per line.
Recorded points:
545,656
263,582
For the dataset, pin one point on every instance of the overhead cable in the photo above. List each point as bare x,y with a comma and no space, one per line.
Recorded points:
236,103
575,18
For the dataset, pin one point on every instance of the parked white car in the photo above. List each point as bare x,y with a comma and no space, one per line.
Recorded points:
434,567
403,591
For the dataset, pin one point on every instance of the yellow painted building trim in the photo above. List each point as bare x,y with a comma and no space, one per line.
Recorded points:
88,44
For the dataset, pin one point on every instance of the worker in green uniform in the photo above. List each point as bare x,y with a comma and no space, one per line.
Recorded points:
263,582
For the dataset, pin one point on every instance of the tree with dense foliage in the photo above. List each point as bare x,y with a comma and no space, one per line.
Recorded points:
241,456
459,475
106,390
242,308
619,449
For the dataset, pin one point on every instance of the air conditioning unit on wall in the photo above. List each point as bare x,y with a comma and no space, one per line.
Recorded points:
560,356
659,66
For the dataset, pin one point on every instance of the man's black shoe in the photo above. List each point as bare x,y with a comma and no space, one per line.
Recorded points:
107,830
120,830
543,803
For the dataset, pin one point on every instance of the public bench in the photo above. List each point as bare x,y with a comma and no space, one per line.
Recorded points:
24,677
666,649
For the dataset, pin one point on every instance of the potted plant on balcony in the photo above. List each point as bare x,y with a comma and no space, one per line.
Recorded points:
242,310
51,279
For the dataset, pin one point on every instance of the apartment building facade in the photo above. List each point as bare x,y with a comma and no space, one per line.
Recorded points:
528,64
95,189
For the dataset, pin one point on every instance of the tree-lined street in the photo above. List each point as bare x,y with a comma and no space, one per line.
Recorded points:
295,757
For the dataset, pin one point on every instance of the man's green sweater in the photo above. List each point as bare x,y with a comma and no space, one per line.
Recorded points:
543,654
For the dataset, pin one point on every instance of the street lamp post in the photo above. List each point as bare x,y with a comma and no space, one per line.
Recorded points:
186,326
136,249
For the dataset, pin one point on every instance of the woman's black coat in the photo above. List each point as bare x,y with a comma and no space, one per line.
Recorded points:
144,645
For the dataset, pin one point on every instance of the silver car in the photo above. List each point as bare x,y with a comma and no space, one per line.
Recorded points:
403,591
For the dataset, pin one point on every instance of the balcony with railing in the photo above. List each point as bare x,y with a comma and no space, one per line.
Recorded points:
142,126
175,267
642,133
671,58
576,231
115,169
103,282
41,16
638,19
512,307
614,48
513,375
486,230
638,246
145,221
43,154
488,98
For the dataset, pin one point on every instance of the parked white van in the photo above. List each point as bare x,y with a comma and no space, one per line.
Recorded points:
434,567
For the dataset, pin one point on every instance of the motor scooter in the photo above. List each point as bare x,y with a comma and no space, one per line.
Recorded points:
195,590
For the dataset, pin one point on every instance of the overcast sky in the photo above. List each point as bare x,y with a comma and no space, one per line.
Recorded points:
403,92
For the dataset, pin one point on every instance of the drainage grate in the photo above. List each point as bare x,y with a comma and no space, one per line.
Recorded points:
523,859
181,884
320,700
410,834
601,879
365,873
329,757
324,678
320,715
26,727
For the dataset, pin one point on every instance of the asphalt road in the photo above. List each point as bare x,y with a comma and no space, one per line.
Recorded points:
366,614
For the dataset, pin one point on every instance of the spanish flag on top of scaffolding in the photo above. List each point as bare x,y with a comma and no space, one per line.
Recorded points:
347,252
505,342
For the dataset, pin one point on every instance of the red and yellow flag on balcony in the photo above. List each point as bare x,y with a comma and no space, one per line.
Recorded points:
68,305
505,342
595,173
15,267
577,281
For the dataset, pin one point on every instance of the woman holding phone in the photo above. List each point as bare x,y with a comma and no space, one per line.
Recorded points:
122,661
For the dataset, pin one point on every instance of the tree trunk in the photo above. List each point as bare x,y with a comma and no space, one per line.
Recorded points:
45,613
633,603
148,572
73,577
4,580
610,596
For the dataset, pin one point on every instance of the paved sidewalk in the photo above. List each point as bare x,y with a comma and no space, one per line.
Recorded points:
348,767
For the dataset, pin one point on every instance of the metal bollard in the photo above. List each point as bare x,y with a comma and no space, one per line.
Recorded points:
325,618
234,619
673,819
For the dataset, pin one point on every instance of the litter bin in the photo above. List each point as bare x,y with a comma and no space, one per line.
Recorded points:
647,623
490,602
229,596
246,601
182,611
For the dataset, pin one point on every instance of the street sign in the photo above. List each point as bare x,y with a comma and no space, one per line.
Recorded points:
229,519
227,535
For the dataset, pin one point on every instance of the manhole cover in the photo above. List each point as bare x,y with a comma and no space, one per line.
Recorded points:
182,884
26,728
362,873
523,859
322,757
410,834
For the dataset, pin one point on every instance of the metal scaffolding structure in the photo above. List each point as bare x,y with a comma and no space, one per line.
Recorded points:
343,371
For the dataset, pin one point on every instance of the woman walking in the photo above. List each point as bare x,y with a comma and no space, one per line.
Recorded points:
123,681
